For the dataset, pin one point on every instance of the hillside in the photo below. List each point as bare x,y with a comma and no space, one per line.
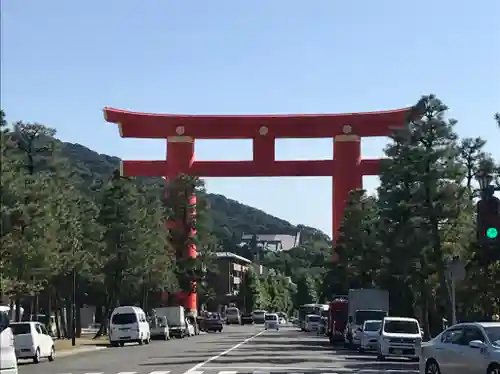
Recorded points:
230,219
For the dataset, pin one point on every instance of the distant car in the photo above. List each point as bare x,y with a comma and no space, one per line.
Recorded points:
312,323
158,327
247,319
213,322
369,335
32,340
190,330
462,349
272,321
259,316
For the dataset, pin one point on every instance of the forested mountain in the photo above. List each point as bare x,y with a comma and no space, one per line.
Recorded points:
229,218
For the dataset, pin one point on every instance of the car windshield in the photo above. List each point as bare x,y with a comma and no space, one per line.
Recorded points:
271,317
373,326
494,335
232,312
314,318
364,315
259,313
20,328
401,327
124,319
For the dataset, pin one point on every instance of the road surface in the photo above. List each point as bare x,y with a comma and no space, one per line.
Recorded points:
238,349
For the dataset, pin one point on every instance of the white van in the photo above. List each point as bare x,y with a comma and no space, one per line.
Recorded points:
399,337
233,316
8,360
272,321
128,324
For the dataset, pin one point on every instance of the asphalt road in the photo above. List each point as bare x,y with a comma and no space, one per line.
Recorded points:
238,349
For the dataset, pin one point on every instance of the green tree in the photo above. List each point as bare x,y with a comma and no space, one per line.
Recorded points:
306,291
250,291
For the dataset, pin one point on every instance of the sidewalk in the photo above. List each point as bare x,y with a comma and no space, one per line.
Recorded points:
83,344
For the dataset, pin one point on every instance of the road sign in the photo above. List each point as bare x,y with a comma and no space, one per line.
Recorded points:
455,270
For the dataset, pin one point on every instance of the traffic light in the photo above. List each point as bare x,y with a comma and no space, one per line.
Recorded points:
488,227
488,220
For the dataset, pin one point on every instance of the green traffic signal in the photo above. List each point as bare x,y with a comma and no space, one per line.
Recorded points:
492,233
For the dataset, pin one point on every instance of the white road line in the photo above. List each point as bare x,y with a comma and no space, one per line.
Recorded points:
127,372
228,372
194,369
160,372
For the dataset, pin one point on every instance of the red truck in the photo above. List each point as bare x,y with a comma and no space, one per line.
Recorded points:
337,319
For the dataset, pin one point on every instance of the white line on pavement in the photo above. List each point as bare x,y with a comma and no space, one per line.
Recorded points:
160,372
228,372
194,369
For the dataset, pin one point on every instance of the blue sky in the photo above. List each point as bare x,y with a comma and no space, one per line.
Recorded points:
63,61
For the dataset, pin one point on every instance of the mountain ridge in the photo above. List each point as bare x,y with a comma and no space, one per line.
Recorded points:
230,218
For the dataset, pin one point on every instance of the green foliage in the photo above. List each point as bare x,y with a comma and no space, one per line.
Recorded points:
306,291
423,215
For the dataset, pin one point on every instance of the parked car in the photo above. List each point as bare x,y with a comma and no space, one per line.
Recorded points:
158,327
128,324
190,329
32,340
8,359
462,349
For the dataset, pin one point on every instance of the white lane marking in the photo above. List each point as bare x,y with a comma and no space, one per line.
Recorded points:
228,372
194,369
160,372
127,372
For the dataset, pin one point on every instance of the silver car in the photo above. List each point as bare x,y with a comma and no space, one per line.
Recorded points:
465,348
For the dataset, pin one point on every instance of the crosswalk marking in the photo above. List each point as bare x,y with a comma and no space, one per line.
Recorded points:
278,371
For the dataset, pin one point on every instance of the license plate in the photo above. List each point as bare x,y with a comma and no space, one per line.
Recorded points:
398,352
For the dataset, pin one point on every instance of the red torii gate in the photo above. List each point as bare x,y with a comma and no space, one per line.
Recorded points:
180,131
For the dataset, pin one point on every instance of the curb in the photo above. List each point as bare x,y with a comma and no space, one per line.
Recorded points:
72,352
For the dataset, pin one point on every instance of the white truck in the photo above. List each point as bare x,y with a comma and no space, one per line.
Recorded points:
176,320
364,305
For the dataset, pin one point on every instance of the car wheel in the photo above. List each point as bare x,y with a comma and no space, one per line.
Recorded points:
122,344
148,340
114,344
432,367
36,357
493,369
52,356
141,342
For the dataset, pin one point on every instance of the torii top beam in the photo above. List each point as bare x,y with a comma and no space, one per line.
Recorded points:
162,126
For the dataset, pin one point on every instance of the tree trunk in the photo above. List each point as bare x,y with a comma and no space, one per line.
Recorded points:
104,322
